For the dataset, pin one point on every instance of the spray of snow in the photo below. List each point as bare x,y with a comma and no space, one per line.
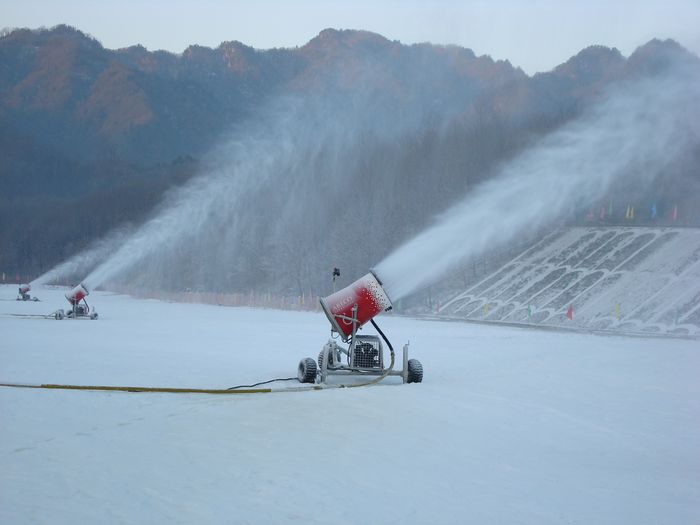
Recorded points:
633,133
76,266
213,198
262,178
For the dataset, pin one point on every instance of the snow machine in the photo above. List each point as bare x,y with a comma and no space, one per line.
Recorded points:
23,294
75,297
348,310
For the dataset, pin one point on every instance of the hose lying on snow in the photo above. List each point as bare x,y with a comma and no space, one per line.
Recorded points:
232,390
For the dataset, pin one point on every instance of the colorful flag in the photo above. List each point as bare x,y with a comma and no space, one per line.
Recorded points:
602,213
617,311
674,213
570,312
610,208
653,211
628,212
529,311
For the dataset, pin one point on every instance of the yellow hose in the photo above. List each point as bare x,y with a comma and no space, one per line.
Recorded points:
164,390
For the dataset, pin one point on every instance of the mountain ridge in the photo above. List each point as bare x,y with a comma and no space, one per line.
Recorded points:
120,98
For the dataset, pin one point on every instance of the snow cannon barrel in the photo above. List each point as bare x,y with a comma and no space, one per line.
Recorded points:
355,304
24,288
77,294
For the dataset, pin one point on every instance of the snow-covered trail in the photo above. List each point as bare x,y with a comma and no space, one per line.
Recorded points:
510,425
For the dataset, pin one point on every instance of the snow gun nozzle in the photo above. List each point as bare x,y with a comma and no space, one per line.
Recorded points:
353,306
77,294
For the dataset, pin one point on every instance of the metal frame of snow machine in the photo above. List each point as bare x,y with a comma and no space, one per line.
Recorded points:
77,311
23,294
364,356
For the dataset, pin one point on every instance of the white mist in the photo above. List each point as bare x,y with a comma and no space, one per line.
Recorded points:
633,133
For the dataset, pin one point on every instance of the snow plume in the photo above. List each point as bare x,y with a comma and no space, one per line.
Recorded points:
75,267
209,204
275,180
629,137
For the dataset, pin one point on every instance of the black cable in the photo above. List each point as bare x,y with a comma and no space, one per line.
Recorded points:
264,382
391,348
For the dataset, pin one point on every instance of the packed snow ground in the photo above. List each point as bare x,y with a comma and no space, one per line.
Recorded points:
510,426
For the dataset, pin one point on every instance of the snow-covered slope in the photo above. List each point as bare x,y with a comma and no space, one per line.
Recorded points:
623,279
509,426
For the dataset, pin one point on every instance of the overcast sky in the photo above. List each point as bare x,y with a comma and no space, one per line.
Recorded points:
535,35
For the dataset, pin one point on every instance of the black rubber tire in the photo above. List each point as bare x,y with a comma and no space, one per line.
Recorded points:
307,370
415,371
320,360
59,315
93,316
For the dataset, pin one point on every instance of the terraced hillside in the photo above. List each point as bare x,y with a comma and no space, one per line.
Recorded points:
617,278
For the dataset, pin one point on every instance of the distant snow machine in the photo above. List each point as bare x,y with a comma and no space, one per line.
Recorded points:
24,293
347,310
77,311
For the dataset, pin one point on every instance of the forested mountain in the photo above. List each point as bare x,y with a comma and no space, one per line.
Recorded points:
91,138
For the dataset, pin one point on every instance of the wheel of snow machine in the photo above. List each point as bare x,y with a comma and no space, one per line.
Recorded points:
58,315
307,370
93,315
320,360
415,371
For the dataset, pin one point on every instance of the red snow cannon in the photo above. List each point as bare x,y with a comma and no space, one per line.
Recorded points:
24,293
348,309
77,311
77,294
